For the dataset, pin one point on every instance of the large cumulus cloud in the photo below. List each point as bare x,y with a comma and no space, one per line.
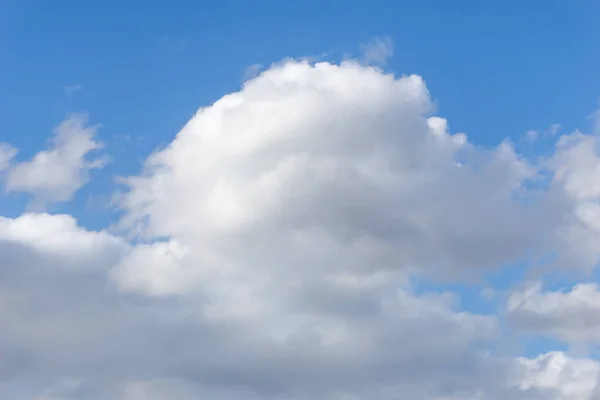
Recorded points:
328,169
268,253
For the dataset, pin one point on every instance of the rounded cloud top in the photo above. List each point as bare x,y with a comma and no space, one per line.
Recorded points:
308,160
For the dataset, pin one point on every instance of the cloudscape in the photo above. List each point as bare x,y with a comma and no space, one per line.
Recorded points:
319,231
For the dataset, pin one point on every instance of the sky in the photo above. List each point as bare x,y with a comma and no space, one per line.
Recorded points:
384,200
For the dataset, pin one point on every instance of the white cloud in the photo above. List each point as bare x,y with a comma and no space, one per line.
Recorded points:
532,135
54,175
155,269
310,162
57,237
322,337
378,51
273,242
557,377
572,316
553,129
576,172
7,154
320,186
330,338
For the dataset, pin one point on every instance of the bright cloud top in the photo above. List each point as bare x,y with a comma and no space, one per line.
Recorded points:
271,248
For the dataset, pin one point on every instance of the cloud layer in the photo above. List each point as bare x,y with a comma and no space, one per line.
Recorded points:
572,317
270,252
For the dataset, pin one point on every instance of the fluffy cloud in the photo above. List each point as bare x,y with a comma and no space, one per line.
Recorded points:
572,316
558,377
54,175
56,237
63,323
576,170
330,169
270,254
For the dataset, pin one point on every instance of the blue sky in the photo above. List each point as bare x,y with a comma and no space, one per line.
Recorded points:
141,70
496,70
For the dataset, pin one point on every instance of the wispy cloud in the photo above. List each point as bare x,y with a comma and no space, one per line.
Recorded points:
55,174
173,43
378,51
531,135
73,88
595,117
534,134
252,71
